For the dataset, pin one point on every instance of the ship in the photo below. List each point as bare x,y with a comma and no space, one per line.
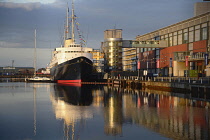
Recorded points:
72,62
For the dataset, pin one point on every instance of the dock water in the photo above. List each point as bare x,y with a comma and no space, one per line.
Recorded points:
196,88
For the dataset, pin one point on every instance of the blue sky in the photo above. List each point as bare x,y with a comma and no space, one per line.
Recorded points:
19,18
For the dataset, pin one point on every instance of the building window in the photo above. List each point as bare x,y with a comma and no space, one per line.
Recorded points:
141,49
197,27
175,40
204,33
191,36
197,35
185,38
179,39
110,44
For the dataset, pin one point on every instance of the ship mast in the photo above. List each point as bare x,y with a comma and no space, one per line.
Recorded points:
72,22
35,53
66,25
67,22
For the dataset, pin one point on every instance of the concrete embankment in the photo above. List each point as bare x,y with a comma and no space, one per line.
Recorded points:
180,87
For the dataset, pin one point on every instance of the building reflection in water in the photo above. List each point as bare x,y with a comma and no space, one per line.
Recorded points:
113,112
171,116
70,104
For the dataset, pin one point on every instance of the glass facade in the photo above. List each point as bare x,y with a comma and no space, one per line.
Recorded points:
112,47
187,35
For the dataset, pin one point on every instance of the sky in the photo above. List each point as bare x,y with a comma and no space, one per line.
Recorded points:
19,19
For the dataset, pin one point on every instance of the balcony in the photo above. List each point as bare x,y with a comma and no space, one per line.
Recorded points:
192,57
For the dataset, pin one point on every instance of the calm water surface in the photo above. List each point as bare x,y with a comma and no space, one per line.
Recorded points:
47,111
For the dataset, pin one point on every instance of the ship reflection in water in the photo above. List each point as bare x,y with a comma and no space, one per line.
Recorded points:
169,116
70,104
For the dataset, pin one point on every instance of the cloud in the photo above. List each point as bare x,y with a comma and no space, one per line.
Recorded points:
26,6
58,4
29,1
5,44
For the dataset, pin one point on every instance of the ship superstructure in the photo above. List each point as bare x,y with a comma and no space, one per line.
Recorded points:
71,62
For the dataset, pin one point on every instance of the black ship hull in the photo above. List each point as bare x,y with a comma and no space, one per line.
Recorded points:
77,96
73,71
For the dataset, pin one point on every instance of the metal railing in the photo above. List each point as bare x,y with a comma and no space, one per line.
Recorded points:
197,56
190,80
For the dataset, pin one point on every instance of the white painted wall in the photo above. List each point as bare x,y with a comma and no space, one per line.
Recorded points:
179,68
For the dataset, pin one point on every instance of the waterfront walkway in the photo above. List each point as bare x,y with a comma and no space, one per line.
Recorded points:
199,86
190,80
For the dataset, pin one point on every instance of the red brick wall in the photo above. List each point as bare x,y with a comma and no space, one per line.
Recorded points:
200,46
167,53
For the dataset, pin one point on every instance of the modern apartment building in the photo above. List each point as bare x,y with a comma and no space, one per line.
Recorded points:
129,59
188,48
112,48
186,53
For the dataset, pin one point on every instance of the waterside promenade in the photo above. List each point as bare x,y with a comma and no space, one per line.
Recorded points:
199,86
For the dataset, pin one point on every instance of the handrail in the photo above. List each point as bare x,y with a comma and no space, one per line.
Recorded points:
190,80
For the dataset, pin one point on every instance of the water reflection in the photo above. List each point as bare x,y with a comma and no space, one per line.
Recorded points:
173,117
80,96
113,112
70,104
